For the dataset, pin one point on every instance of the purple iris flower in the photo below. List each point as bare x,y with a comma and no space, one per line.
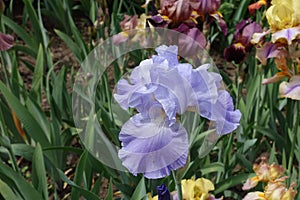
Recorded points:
163,192
153,141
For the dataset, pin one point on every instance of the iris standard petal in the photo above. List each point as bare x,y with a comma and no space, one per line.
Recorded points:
123,93
176,10
205,84
168,53
248,31
135,90
152,147
173,87
230,121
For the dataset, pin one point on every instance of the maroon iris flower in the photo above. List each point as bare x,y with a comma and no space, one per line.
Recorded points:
242,41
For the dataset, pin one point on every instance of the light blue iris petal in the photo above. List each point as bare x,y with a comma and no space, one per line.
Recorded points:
223,113
153,147
225,108
179,90
124,92
168,53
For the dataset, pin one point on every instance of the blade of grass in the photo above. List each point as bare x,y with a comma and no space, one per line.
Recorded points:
17,182
109,195
38,74
31,125
28,39
231,182
39,177
34,20
87,194
79,175
6,191
140,191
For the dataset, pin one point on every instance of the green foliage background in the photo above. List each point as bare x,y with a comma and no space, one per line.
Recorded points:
36,167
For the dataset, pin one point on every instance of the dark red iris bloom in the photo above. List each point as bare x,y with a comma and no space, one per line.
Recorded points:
242,41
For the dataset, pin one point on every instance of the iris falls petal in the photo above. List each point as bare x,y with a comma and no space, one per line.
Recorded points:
153,147
291,89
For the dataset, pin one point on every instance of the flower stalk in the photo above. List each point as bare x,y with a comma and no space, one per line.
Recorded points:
178,185
294,132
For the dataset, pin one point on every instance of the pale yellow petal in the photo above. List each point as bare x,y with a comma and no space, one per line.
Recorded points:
188,187
204,185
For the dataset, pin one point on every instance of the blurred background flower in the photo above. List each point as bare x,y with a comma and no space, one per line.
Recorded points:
275,188
264,173
242,41
257,5
284,20
6,41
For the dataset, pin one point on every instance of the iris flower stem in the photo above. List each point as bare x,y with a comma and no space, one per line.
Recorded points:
256,116
294,132
178,185
237,86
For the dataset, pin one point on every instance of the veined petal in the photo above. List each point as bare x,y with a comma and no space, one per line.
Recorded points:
205,83
188,188
176,10
168,53
288,34
124,92
269,50
205,7
291,89
228,119
174,97
153,147
248,31
193,43
204,185
142,98
222,112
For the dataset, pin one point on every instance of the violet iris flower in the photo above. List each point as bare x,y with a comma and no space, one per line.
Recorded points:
153,141
163,192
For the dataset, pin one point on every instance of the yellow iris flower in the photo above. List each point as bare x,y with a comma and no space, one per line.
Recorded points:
194,190
283,14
